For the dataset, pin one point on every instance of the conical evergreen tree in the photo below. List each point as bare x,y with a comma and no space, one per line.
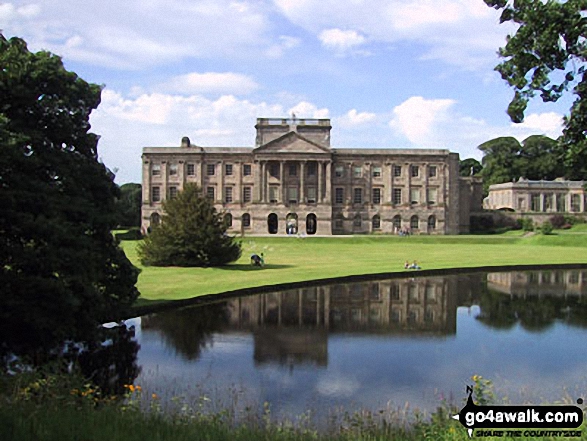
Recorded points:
192,233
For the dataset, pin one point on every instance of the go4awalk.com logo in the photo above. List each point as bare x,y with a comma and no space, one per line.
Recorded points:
520,421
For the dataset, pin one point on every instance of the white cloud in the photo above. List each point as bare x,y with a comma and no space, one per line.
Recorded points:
464,33
549,124
136,33
211,82
417,118
339,40
353,118
305,109
285,43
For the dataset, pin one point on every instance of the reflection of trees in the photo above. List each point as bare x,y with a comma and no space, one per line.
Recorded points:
112,364
189,330
533,313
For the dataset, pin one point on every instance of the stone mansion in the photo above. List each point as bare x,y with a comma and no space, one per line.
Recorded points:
293,182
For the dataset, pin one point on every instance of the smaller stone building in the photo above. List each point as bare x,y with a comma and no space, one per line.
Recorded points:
539,197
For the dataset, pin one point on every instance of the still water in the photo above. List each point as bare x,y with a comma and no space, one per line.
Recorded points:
377,344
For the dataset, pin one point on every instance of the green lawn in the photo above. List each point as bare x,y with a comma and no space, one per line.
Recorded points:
292,259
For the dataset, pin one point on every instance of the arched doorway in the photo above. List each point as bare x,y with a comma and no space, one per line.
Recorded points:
155,220
414,223
272,223
376,222
291,223
397,223
228,220
431,223
311,223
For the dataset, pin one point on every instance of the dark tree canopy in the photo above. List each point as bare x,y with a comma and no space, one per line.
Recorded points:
61,271
547,55
192,233
128,205
470,167
505,159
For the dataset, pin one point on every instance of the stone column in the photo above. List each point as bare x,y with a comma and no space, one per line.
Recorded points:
146,182
164,177
263,197
582,197
257,182
542,204
320,167
181,174
328,181
387,183
202,176
369,192
220,186
238,197
281,197
302,191
408,186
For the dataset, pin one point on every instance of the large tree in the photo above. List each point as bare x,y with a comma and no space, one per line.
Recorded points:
547,55
128,205
61,271
191,233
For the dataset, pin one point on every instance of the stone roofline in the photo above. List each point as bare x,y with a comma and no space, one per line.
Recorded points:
334,151
524,184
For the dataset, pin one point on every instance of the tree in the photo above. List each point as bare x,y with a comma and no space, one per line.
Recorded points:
469,167
547,55
192,233
500,161
505,159
128,205
61,271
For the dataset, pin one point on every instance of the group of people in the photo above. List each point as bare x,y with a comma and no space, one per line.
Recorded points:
412,266
257,260
405,231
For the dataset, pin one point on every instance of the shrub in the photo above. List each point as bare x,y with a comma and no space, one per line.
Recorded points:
527,224
546,227
558,221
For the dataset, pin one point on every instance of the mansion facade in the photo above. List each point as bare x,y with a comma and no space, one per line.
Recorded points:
293,182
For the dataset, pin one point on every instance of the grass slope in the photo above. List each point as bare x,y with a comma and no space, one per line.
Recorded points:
291,259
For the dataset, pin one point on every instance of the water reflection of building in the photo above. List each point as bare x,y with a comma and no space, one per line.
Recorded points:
293,326
539,283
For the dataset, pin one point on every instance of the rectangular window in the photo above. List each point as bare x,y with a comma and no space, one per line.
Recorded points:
211,169
432,195
173,170
155,194
312,169
415,196
339,223
376,172
397,196
339,195
293,169
376,195
311,195
575,202
273,192
274,170
339,171
247,194
357,171
228,195
172,192
156,170
292,195
191,170
247,169
210,193
431,171
535,202
358,196
228,169
560,203
415,171
397,171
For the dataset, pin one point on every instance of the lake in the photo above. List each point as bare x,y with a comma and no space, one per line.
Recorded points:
373,345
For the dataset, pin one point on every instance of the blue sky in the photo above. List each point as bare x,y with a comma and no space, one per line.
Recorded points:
394,73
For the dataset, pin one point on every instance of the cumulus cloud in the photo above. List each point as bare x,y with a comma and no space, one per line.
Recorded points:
305,109
339,40
353,118
211,83
459,32
549,124
417,118
135,34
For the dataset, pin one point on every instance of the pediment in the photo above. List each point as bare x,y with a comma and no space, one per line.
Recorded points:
292,142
